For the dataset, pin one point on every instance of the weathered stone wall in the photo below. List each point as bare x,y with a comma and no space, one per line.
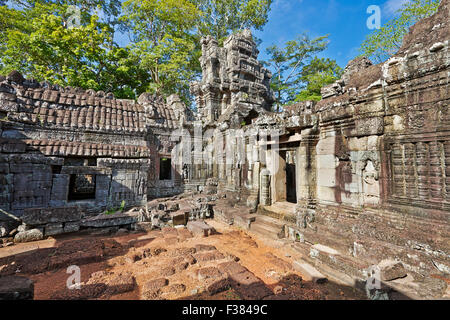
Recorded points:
382,157
45,127
164,119
378,146
371,158
66,148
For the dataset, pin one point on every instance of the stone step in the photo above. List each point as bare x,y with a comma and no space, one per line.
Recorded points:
325,237
275,223
111,220
278,213
264,231
344,266
244,220
266,226
285,205
309,273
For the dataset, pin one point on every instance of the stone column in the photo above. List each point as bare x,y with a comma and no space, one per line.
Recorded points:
265,199
306,179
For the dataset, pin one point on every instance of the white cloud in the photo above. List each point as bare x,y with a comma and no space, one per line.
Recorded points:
390,7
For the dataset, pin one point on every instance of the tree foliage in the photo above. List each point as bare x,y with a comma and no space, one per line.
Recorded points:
386,41
317,74
220,18
162,40
297,72
165,35
37,39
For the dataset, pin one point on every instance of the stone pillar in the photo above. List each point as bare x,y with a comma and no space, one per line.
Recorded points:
306,179
265,199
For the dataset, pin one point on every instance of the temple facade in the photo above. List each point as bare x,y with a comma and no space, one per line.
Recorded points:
365,171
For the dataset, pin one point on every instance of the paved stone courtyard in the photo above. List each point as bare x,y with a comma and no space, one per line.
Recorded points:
167,264
154,200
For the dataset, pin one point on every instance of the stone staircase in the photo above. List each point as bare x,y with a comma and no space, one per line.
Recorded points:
240,216
284,211
267,227
335,264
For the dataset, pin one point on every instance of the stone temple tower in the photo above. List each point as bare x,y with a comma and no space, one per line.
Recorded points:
233,79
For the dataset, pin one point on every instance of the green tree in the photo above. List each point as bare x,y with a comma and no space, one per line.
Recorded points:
381,44
317,74
220,18
287,65
165,35
37,40
161,35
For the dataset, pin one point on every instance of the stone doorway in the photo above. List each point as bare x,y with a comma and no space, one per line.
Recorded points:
81,187
291,187
285,186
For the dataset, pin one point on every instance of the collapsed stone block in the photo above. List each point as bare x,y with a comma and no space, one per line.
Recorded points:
180,218
391,270
29,235
200,228
53,229
16,288
39,216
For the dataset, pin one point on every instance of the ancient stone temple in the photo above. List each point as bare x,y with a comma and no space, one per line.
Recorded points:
364,173
359,178
233,79
84,150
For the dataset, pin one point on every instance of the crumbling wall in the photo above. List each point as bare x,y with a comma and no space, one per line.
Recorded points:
382,155
63,148
372,157
165,121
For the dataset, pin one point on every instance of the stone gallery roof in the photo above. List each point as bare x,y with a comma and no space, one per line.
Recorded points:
166,117
53,107
66,148
161,113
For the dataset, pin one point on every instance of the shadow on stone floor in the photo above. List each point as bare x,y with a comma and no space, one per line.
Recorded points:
289,287
92,253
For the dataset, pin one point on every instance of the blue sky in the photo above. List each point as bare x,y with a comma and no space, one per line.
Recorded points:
343,20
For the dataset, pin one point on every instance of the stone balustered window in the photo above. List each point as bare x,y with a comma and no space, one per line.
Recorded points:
420,170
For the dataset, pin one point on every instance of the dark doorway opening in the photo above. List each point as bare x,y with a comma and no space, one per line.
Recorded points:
251,116
56,169
165,169
81,187
291,188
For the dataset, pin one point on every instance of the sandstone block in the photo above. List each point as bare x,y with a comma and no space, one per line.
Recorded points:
29,235
391,270
200,228
53,229
16,288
